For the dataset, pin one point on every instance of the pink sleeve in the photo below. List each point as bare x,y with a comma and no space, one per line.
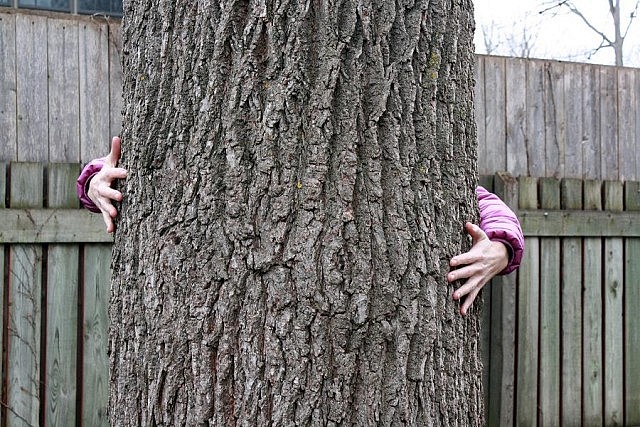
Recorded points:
501,224
82,184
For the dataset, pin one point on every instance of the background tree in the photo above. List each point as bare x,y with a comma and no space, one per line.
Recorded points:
620,26
299,174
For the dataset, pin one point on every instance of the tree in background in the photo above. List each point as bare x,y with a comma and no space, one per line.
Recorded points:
299,174
620,25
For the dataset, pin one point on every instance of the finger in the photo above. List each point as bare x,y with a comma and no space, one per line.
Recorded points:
466,258
471,285
110,194
469,301
114,173
108,221
114,155
464,272
475,232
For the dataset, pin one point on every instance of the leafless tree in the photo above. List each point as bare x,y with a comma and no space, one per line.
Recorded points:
617,40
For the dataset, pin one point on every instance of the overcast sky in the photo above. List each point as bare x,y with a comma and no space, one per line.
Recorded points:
556,34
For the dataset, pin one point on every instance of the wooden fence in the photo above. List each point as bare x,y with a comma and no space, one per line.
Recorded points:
562,336
55,263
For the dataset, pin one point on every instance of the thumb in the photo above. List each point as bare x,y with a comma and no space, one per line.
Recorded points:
114,155
475,232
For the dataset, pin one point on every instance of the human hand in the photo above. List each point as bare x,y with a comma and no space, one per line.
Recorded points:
100,191
484,260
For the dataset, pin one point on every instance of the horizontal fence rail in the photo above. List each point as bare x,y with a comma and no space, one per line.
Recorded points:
563,345
55,291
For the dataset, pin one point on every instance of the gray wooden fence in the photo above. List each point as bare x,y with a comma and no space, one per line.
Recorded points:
55,263
562,336
564,333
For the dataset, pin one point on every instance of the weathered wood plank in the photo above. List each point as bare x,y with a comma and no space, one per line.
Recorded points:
527,335
97,277
579,223
592,368
495,125
573,115
549,371
94,97
503,333
62,326
3,182
32,102
571,300
516,121
3,284
636,108
632,314
555,121
64,106
527,315
535,118
627,124
25,283
592,315
51,225
613,320
62,307
8,101
592,194
591,123
609,156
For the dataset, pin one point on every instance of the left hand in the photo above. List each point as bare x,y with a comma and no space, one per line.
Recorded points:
484,260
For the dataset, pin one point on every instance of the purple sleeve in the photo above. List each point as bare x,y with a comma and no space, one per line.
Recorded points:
501,224
82,184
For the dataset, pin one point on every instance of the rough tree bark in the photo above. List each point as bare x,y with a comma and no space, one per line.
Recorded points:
299,176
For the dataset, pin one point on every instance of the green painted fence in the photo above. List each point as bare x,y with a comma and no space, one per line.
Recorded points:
562,341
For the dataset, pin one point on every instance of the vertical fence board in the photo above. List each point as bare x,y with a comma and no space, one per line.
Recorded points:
591,164
97,274
495,126
94,90
613,300
31,66
515,98
535,119
592,315
571,300
502,372
64,107
3,283
62,307
626,123
632,314
555,135
25,281
573,115
609,124
8,136
549,372
527,318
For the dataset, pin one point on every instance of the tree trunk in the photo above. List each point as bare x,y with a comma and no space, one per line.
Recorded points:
299,176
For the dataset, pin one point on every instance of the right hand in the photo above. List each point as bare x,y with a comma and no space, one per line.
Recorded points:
100,191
